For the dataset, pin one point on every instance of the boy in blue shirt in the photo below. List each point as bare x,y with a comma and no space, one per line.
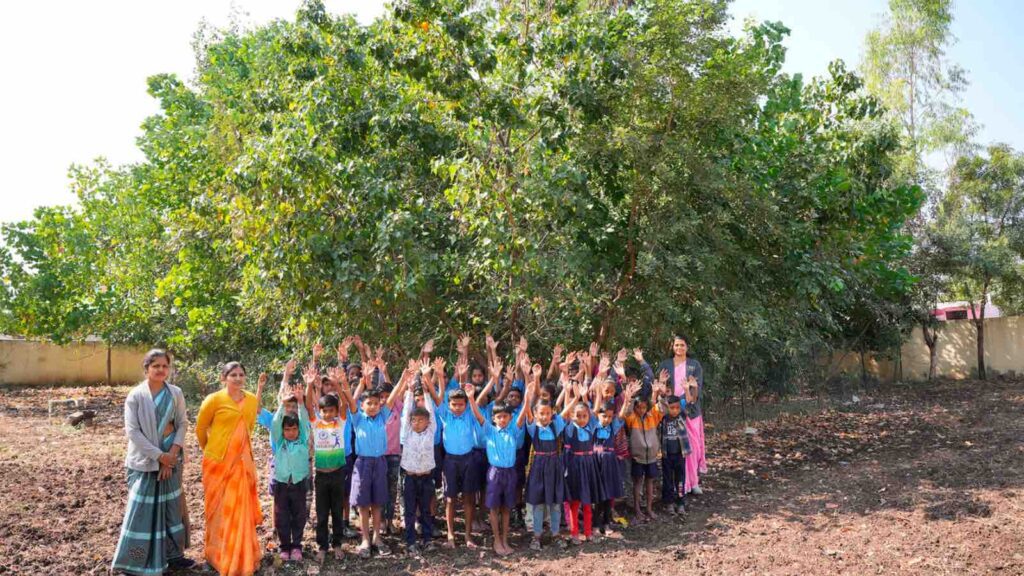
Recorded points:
461,472
502,439
370,475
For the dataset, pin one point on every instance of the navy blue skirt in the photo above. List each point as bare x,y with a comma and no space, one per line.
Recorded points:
583,479
611,475
546,482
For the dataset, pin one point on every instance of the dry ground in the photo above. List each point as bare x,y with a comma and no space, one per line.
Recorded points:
923,480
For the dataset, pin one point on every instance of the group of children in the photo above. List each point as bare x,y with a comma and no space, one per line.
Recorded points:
520,443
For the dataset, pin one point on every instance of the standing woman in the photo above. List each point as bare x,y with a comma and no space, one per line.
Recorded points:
687,376
225,423
154,534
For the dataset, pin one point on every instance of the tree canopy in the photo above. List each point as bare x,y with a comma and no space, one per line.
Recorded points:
562,170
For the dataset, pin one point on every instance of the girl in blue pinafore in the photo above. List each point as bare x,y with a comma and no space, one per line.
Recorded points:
583,477
545,484
608,426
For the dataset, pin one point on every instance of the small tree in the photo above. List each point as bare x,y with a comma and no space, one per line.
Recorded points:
982,217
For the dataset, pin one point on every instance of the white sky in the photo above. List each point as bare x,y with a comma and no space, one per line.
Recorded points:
75,72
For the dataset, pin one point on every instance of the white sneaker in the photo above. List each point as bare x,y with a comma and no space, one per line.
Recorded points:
696,490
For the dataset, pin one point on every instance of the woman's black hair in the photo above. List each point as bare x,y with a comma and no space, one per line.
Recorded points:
152,355
229,367
681,336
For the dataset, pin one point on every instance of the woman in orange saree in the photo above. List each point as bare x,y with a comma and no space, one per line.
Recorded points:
223,427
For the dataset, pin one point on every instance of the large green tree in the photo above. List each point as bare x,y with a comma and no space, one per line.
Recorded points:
567,171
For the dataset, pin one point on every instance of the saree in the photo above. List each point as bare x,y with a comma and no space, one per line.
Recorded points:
154,530
695,460
232,508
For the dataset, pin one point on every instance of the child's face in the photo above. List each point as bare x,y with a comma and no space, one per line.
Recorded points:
545,394
457,406
291,407
477,378
514,398
327,387
420,401
640,407
544,415
291,433
420,423
371,406
581,416
329,412
608,390
674,409
501,419
605,418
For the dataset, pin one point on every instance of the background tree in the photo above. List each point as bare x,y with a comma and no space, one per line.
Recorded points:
983,216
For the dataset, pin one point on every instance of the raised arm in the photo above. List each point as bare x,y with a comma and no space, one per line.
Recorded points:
472,402
525,412
556,358
403,382
627,400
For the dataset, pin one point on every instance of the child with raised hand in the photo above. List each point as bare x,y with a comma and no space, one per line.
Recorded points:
418,426
605,435
545,483
674,448
329,418
641,423
583,478
461,475
502,440
370,477
289,434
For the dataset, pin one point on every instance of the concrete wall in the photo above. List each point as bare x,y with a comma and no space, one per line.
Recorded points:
42,363
956,354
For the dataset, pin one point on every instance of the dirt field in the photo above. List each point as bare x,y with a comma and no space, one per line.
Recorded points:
919,481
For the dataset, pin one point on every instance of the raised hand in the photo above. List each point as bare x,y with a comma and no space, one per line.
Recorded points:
632,389
620,370
261,382
663,376
289,369
594,349
510,372
310,375
439,364
318,349
556,353
639,355
427,348
538,370
604,365
496,369
461,369
492,344
523,344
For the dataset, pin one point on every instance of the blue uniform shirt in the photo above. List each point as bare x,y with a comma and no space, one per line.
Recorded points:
501,444
459,431
371,439
549,432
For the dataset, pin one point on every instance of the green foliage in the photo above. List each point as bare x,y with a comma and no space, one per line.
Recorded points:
567,171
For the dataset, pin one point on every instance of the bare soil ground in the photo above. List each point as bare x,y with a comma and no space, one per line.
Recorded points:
922,480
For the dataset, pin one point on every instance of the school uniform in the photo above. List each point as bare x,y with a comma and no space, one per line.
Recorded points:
291,480
370,475
461,469
501,445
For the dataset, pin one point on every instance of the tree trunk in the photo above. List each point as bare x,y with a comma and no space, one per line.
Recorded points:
979,324
863,369
930,340
109,370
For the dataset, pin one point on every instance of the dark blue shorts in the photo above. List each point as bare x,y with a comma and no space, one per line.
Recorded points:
369,482
461,474
645,470
501,488
438,466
